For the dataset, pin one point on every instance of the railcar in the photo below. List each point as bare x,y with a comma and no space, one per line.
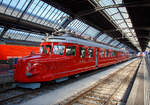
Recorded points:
15,51
63,56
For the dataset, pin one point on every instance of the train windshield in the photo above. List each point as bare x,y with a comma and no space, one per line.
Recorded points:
45,49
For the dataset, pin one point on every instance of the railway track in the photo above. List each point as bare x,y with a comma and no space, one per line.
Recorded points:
109,91
15,96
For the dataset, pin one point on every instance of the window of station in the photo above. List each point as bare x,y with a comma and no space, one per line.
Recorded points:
82,52
102,53
58,50
90,52
70,51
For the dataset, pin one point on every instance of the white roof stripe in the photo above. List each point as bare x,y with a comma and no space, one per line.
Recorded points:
69,39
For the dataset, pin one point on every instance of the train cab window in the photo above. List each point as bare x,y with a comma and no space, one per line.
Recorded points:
102,53
58,50
41,49
70,51
82,52
47,49
90,52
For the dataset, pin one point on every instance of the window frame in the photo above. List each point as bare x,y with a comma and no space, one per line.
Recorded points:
89,53
56,53
80,52
70,46
102,50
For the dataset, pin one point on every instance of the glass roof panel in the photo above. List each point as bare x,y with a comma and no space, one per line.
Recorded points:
37,12
125,15
114,43
118,1
1,29
121,45
106,40
118,15
77,26
101,37
35,37
20,35
122,9
111,11
91,32
106,2
44,14
13,7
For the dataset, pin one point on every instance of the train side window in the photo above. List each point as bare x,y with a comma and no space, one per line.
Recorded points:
114,54
108,53
58,50
105,53
70,51
102,53
47,49
90,52
82,52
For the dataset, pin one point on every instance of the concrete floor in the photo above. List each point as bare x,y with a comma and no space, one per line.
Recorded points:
140,93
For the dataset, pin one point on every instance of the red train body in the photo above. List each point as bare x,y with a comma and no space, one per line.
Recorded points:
65,56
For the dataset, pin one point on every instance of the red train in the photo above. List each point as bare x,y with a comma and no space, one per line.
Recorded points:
15,51
62,56
10,53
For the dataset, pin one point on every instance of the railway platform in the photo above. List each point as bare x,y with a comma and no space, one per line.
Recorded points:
140,92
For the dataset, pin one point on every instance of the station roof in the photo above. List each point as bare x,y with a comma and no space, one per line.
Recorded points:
107,21
131,16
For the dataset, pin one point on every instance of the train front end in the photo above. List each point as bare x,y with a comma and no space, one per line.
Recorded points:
33,69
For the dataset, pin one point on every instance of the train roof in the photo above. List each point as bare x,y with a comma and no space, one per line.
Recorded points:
68,38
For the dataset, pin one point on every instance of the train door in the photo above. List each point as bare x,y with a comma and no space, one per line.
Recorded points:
71,60
96,55
90,57
101,60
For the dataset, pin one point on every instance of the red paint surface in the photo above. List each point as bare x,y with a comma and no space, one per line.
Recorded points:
15,51
46,67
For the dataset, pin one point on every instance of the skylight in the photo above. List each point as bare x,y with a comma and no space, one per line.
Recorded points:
119,16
